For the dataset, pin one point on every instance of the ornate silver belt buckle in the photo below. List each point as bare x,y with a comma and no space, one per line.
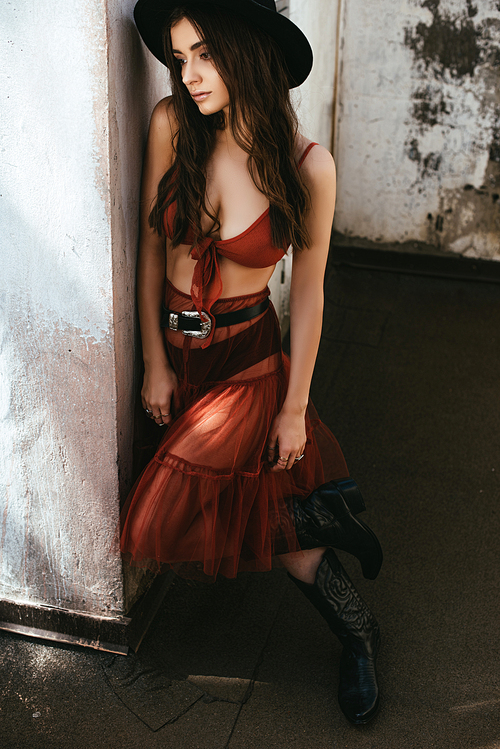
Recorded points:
205,324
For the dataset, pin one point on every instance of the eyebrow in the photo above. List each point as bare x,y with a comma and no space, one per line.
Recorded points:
191,49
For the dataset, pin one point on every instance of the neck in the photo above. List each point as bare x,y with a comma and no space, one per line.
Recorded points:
227,136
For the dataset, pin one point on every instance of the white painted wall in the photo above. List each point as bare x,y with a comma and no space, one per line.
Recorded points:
315,98
314,101
417,138
71,151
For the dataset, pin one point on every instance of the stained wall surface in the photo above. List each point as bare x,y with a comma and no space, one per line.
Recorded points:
76,96
417,131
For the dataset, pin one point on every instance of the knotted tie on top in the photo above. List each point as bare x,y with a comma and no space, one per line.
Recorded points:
206,286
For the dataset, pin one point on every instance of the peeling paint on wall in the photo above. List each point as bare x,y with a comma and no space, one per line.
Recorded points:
448,44
457,55
429,70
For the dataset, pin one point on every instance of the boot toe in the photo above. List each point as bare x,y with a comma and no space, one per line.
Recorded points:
357,712
358,697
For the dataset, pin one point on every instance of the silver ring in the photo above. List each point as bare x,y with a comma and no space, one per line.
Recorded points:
164,414
281,458
299,457
148,412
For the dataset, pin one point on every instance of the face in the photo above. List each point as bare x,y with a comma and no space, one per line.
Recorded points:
197,69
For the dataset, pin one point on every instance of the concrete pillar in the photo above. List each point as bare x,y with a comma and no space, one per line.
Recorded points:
78,90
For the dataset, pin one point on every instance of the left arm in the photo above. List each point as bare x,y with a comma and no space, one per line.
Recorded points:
306,309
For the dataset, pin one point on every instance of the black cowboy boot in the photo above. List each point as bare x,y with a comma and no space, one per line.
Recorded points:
326,518
350,619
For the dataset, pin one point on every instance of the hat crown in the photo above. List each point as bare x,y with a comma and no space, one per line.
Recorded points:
269,4
151,16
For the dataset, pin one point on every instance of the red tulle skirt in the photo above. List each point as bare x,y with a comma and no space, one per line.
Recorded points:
207,502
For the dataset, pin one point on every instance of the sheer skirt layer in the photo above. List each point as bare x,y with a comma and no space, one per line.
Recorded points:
207,502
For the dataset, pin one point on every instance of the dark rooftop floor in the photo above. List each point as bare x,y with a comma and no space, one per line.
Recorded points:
408,379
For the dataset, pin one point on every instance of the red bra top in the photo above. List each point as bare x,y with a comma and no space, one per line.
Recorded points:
253,248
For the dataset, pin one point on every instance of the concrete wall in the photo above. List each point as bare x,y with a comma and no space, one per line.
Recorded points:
318,19
417,132
77,94
314,101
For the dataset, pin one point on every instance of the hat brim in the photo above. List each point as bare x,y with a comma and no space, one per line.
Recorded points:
151,15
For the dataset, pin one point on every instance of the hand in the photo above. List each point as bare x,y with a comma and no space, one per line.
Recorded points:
158,387
287,440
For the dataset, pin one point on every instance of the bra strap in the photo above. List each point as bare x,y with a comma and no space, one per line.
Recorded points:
304,155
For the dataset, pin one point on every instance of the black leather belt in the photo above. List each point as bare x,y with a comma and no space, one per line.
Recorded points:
191,324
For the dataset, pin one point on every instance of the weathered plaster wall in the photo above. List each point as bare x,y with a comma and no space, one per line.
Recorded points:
418,123
136,83
314,101
71,149
315,98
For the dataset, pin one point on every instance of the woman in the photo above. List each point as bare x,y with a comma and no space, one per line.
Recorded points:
228,185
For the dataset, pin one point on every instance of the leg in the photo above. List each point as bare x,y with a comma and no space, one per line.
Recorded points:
350,619
305,566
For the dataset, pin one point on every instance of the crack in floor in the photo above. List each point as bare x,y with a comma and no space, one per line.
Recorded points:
121,685
255,672
171,720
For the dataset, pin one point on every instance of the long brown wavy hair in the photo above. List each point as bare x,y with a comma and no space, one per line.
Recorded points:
261,118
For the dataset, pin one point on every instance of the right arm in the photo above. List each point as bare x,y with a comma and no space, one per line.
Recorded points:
159,378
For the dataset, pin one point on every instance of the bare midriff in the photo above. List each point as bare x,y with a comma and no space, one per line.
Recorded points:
237,280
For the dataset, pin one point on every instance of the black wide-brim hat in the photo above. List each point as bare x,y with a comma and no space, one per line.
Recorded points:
151,16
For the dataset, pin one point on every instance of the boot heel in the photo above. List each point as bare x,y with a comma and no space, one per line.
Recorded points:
371,557
352,495
327,517
342,497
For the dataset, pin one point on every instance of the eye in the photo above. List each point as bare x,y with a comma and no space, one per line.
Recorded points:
206,56
180,60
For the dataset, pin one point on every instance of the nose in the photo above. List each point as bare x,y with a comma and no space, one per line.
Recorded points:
190,73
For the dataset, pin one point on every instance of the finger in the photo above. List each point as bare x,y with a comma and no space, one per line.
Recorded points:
282,462
167,414
271,451
299,455
279,464
293,458
166,418
277,468
162,418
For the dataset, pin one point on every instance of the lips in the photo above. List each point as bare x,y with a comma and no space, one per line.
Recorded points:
200,95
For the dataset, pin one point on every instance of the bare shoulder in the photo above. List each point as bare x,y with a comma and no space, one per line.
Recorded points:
160,147
318,172
318,168
163,120
161,140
